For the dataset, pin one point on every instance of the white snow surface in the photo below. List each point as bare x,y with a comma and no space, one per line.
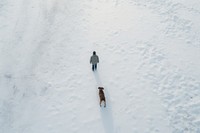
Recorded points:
149,54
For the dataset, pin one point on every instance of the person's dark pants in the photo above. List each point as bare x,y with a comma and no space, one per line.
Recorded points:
94,67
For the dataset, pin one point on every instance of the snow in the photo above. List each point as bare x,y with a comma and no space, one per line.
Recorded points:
149,66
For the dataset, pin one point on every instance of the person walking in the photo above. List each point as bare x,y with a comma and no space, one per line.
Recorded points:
94,60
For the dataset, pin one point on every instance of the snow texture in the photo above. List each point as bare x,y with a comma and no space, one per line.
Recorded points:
149,54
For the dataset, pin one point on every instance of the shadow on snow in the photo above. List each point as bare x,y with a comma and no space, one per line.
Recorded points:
106,113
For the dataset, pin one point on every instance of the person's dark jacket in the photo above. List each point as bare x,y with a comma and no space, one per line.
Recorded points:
94,59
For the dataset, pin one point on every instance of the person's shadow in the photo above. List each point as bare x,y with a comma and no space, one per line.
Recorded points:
97,78
106,113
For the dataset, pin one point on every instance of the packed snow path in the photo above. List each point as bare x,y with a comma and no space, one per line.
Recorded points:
149,66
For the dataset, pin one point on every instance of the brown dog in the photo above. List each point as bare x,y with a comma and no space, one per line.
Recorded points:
102,96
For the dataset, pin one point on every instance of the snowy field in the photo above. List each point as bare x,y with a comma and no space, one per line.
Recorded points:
149,54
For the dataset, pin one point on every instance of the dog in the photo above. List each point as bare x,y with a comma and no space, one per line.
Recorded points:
102,96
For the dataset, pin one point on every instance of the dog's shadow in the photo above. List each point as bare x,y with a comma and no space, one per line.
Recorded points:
106,113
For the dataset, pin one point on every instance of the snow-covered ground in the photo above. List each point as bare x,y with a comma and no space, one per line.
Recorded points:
149,54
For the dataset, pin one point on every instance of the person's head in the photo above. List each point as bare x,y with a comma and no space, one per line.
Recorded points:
94,52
